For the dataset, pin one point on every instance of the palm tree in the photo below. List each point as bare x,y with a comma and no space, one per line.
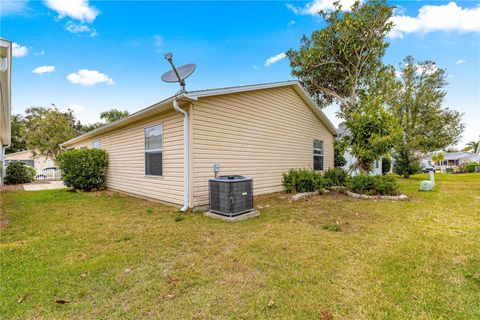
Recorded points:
474,145
435,158
441,156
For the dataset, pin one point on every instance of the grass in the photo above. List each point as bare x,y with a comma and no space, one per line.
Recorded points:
105,255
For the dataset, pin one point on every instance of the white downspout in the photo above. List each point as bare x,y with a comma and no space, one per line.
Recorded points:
185,154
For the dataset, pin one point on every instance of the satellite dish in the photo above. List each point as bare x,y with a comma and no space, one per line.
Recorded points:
178,74
183,72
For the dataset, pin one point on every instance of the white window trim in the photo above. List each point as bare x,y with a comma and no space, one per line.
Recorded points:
151,151
319,153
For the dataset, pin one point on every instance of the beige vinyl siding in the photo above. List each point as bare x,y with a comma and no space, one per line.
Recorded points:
126,162
259,133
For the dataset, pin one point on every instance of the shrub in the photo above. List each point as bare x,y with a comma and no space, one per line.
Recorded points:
305,180
374,185
32,172
301,180
470,167
386,185
337,176
83,169
17,172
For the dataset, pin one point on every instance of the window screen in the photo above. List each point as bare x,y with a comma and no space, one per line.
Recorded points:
154,150
317,155
96,144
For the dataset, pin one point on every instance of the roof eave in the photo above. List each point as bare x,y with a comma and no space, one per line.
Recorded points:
130,119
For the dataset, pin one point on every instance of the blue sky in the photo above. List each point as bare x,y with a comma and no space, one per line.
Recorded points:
97,55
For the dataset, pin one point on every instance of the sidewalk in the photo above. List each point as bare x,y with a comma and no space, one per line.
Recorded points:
44,186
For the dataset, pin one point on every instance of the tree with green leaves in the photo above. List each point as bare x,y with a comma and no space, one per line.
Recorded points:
47,128
113,115
17,129
342,64
419,107
373,132
339,160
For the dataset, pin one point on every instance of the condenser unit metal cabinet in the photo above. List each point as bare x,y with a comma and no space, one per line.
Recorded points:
231,195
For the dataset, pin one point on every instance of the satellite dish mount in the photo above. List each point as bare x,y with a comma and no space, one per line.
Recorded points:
178,74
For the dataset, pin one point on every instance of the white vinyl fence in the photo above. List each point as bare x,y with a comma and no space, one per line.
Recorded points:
48,174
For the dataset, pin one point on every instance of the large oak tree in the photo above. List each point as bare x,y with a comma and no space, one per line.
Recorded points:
342,64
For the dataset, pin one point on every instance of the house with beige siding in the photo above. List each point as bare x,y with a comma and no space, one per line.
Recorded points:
37,161
167,152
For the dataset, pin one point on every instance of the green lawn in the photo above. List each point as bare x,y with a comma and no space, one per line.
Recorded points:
110,256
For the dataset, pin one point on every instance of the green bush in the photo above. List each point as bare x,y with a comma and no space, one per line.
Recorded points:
305,180
17,172
374,185
338,177
32,172
386,185
83,169
470,167
301,180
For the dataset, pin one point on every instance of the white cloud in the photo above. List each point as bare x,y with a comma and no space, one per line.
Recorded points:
275,59
18,50
40,53
80,28
431,18
44,69
75,108
291,22
87,77
312,8
461,61
13,7
75,9
427,69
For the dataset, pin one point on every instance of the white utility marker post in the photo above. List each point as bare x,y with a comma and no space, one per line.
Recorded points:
432,177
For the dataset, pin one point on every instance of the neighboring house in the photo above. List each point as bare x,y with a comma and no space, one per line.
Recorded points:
5,99
451,159
167,151
38,162
351,160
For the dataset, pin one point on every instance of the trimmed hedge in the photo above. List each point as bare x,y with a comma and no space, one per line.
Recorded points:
17,172
301,180
83,169
307,180
374,185
338,177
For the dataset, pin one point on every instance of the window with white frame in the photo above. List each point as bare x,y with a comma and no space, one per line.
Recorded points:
317,155
96,144
153,150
